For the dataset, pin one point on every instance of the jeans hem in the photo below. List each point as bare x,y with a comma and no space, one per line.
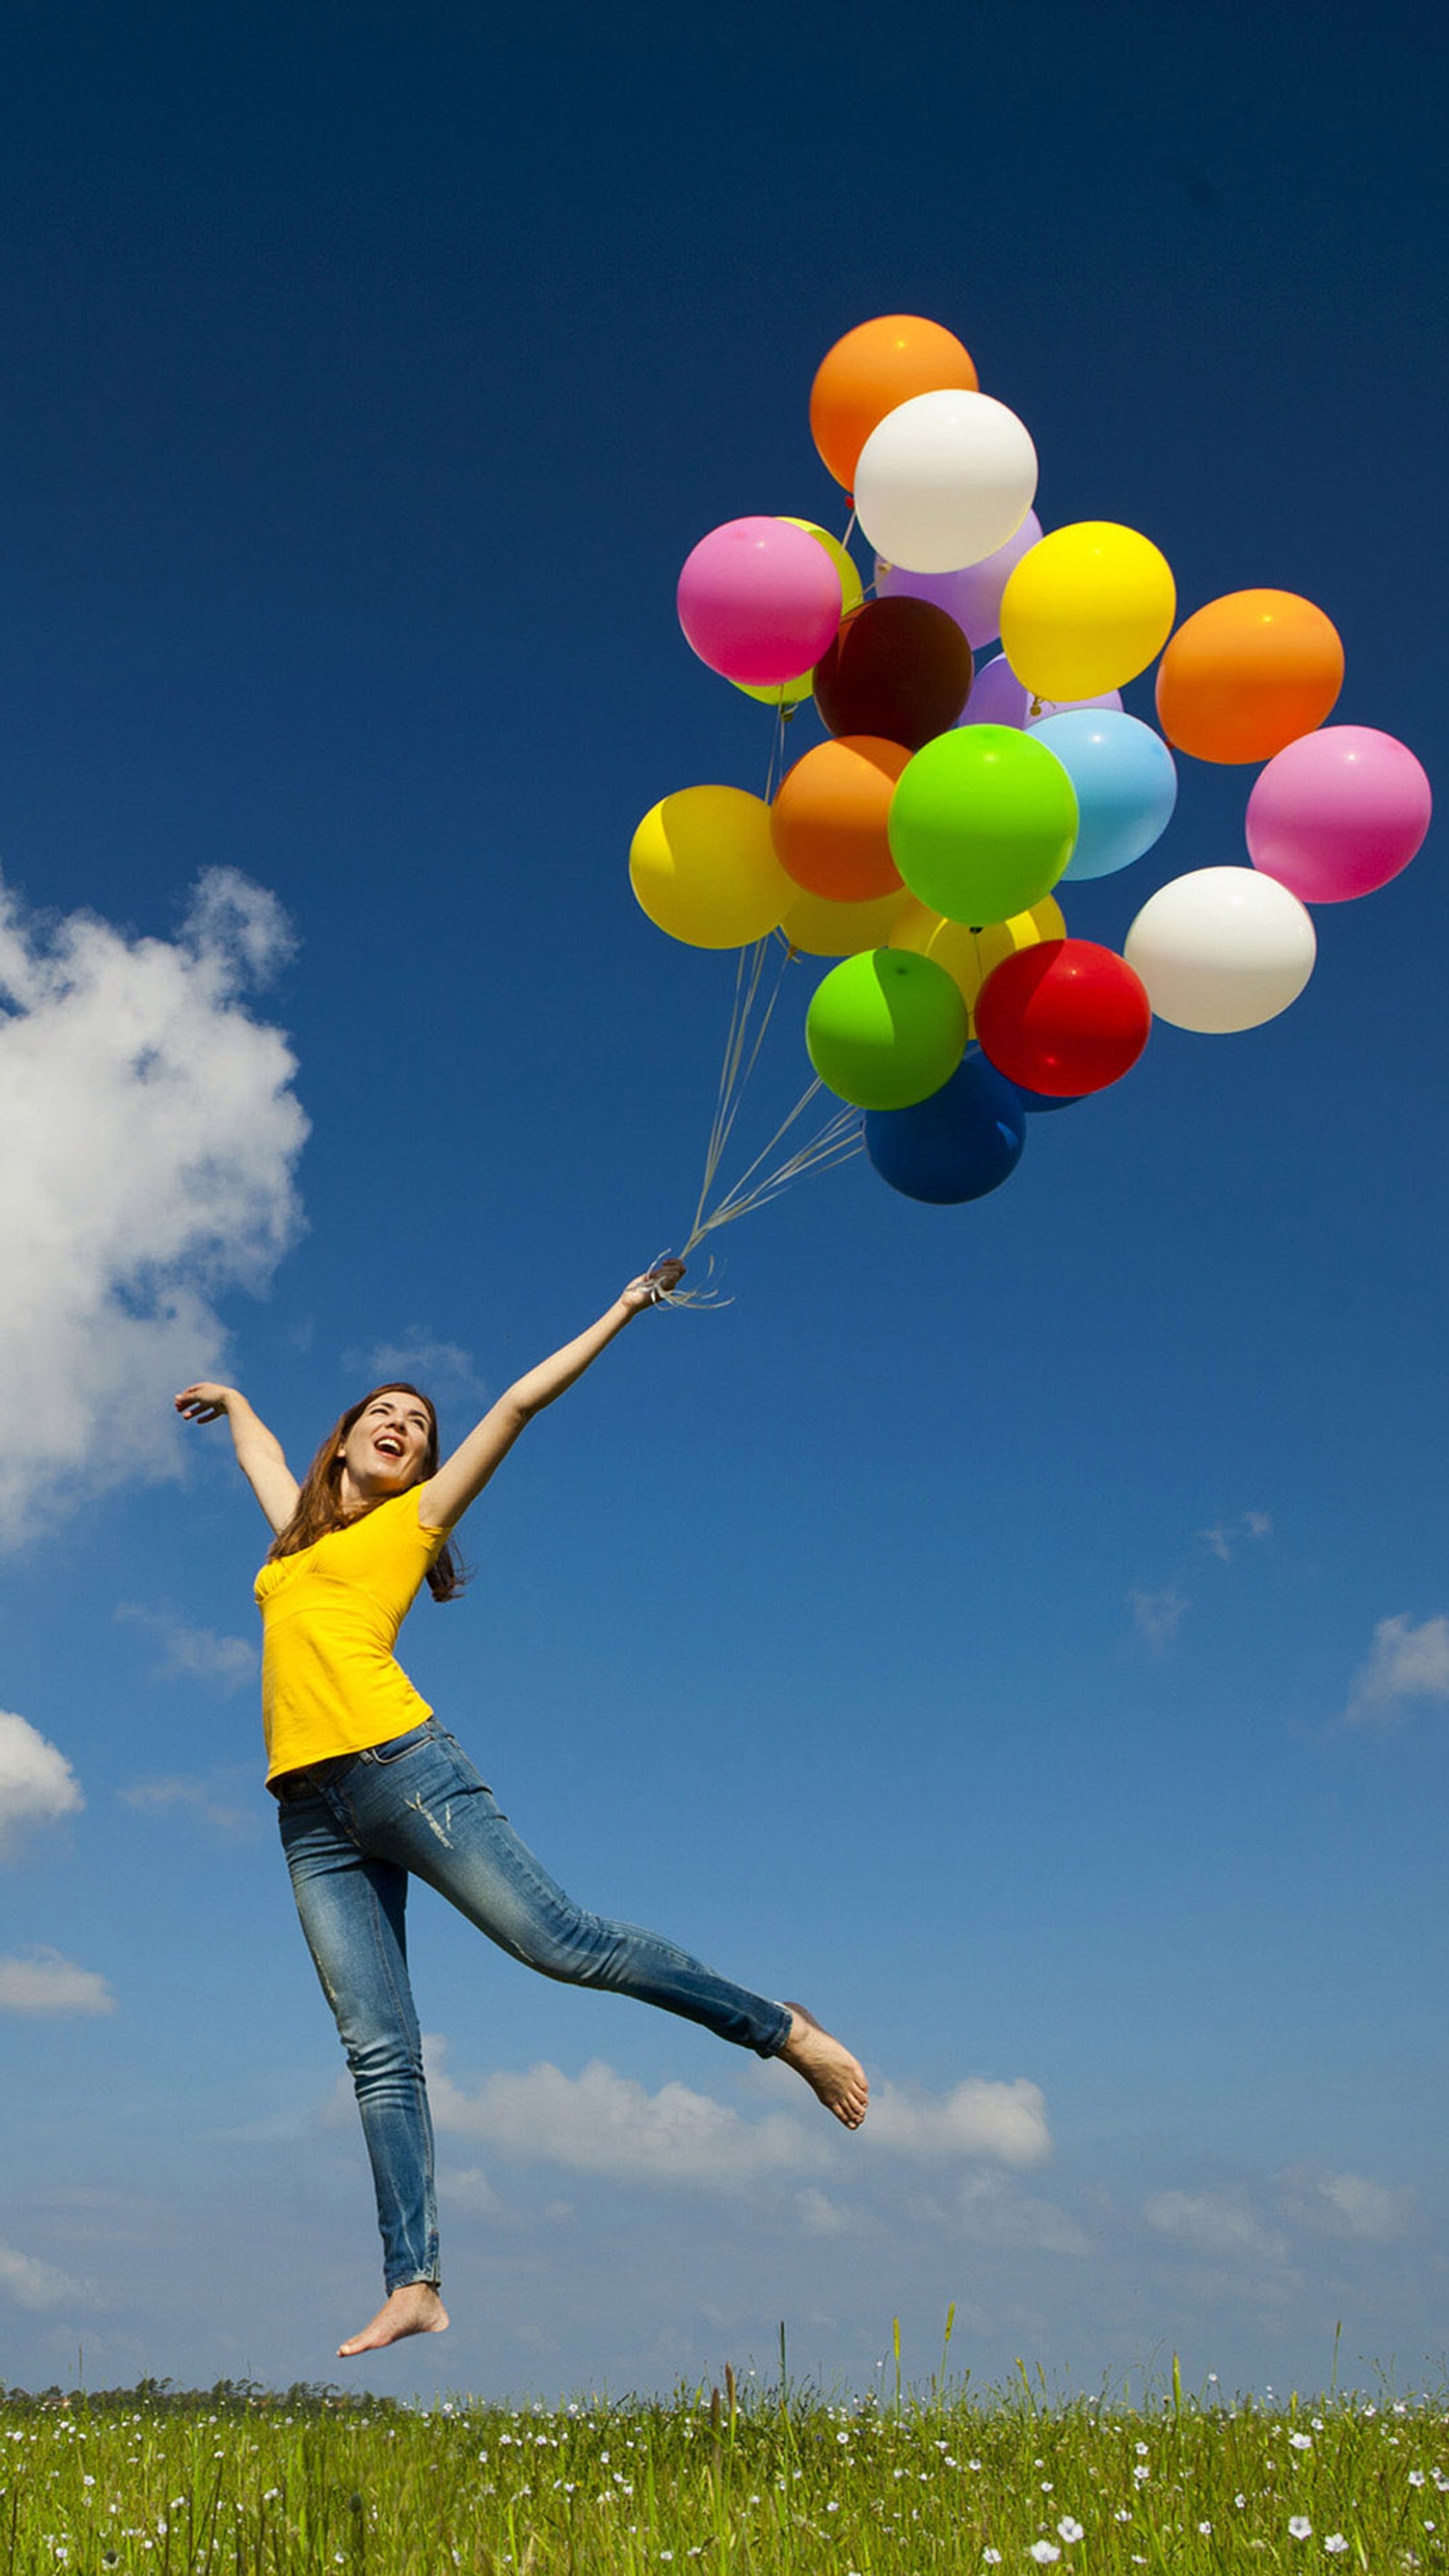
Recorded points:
772,2047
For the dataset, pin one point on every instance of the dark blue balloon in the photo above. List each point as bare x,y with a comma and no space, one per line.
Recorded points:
965,1140
1039,1100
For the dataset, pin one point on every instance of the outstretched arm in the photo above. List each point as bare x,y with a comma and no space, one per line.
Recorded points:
258,1450
461,1479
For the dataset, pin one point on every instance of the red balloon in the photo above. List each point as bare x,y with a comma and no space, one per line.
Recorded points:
899,669
1064,1017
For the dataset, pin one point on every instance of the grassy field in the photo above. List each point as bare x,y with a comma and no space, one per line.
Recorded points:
244,2481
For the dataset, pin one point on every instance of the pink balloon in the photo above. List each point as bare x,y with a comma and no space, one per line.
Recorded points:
759,600
999,697
973,595
1338,813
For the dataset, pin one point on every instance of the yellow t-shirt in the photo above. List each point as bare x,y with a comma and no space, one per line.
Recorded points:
330,1616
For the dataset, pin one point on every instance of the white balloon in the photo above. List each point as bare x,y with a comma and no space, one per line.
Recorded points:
944,480
1223,948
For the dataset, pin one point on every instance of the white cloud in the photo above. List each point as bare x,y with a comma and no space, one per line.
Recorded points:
821,2216
1347,2205
1006,2122
472,2190
147,1141
1224,1541
34,2285
37,1784
215,1800
1210,2223
1157,1616
1404,1662
422,1358
602,2122
194,1654
991,2213
41,1981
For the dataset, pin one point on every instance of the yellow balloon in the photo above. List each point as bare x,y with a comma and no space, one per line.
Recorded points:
788,694
703,866
822,929
851,589
1086,608
969,956
793,693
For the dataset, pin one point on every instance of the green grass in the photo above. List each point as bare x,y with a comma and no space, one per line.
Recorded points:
238,2482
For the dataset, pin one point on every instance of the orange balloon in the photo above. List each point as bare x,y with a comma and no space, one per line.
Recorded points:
828,821
1247,675
876,366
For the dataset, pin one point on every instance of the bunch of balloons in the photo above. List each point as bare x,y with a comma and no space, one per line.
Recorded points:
978,760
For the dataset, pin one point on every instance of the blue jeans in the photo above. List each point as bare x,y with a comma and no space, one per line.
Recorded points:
353,1829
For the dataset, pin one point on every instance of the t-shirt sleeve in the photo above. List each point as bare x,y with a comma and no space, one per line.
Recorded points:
434,1540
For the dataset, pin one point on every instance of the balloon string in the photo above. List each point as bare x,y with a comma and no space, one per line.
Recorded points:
841,1136
747,1029
742,1070
777,751
749,967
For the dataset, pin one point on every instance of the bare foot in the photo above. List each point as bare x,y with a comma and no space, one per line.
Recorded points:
414,2309
837,2078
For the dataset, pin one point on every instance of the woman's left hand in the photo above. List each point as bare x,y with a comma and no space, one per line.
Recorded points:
652,1285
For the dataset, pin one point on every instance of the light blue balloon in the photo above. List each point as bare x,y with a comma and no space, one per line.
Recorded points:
1126,786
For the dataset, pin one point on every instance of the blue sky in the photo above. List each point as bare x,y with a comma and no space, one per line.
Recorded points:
1020,1630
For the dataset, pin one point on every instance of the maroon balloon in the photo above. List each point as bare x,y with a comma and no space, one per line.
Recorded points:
899,669
1064,1018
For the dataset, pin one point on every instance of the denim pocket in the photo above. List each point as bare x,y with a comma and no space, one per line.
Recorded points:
398,1745
471,1775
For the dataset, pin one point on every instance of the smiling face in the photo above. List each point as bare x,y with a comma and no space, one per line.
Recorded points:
390,1445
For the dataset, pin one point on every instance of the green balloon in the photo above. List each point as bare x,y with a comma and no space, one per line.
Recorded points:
886,1028
982,823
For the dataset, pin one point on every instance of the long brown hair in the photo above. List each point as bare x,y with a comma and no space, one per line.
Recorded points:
319,1502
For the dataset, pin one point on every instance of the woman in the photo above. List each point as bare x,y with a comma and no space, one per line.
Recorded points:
371,1789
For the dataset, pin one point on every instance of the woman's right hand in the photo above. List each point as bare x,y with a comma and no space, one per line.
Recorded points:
653,1285
204,1402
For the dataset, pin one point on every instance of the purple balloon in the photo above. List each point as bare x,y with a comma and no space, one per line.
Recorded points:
973,595
999,697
